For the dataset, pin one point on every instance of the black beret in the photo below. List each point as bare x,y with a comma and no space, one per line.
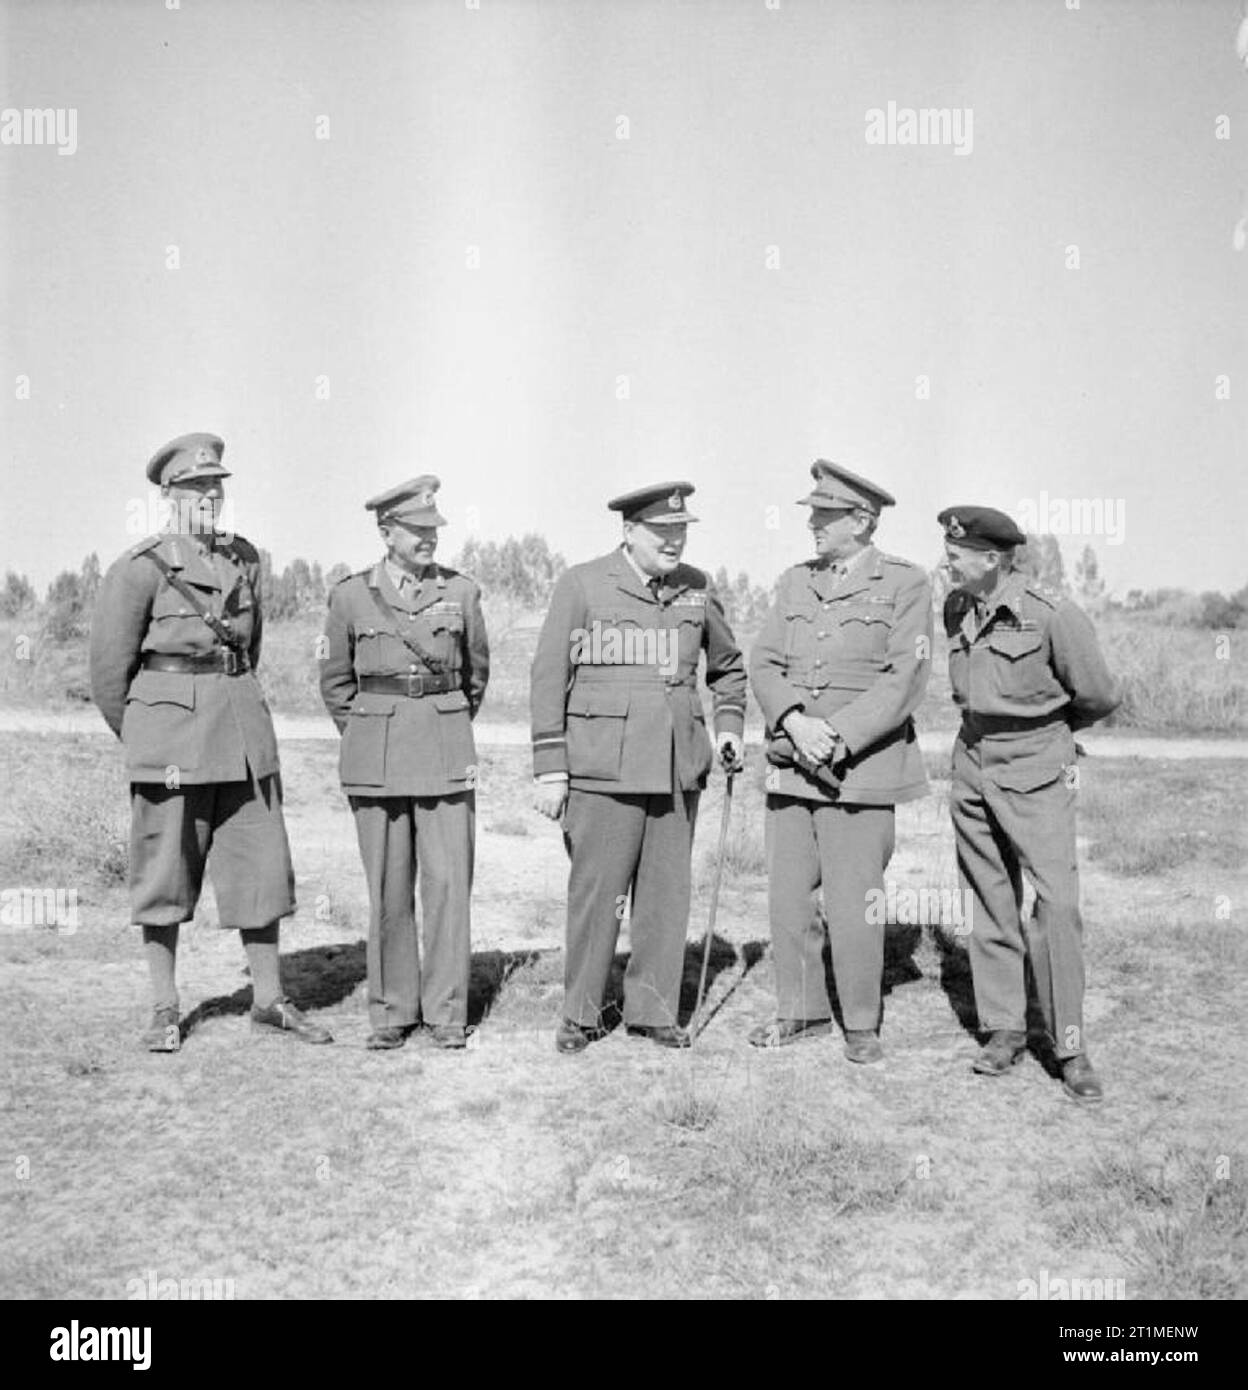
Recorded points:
980,528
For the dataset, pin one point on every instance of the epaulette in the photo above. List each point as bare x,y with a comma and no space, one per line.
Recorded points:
898,560
1044,592
146,544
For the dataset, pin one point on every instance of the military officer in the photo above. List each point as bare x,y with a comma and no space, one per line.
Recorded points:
174,645
405,668
621,752
1026,672
838,669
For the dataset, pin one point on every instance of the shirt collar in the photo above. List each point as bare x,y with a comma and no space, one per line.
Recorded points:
398,575
847,567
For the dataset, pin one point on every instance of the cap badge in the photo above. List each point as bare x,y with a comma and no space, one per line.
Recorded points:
955,528
676,502
203,454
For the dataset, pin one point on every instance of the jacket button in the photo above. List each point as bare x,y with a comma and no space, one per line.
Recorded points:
412,668
818,661
821,634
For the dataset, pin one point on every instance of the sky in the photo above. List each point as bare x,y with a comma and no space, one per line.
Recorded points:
553,251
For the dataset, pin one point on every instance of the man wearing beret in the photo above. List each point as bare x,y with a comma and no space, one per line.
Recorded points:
174,645
1026,671
621,753
405,666
838,669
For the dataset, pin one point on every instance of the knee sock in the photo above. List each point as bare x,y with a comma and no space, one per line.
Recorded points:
261,947
160,946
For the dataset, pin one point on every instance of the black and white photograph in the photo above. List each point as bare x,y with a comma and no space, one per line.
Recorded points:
623,663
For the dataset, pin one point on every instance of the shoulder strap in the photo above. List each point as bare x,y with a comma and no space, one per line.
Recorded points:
221,631
432,660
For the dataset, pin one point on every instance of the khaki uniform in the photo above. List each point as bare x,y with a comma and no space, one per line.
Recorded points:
200,751
408,765
1026,672
632,738
854,648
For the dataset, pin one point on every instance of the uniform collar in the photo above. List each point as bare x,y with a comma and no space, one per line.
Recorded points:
1008,595
859,570
428,588
197,562
628,576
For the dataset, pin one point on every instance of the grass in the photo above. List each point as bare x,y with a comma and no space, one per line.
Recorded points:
68,821
508,1170
1180,680
1177,1223
1145,817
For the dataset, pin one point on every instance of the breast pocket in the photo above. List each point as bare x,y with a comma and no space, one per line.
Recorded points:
689,631
862,632
596,719
799,639
1019,668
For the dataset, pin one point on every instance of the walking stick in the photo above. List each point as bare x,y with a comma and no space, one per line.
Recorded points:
715,882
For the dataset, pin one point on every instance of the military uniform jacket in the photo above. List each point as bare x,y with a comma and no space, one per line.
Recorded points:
397,745
614,693
854,649
208,726
1031,655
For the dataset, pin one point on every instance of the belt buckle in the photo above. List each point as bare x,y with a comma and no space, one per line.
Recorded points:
231,662
415,686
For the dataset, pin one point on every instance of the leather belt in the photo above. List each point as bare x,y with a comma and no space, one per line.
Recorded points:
976,725
413,686
225,661
638,675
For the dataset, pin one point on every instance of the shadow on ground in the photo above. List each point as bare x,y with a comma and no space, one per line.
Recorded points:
320,977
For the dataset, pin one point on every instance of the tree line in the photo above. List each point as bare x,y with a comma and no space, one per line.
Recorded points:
517,575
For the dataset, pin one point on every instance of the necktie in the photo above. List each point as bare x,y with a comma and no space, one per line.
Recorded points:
654,585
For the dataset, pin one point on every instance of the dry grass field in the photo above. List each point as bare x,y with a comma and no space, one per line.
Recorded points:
512,1171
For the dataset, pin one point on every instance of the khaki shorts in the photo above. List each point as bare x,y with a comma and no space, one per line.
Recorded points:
234,829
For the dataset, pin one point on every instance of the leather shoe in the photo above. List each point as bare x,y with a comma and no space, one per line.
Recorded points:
780,1032
1080,1081
1003,1048
862,1045
662,1034
162,1033
575,1037
282,1017
384,1039
449,1035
